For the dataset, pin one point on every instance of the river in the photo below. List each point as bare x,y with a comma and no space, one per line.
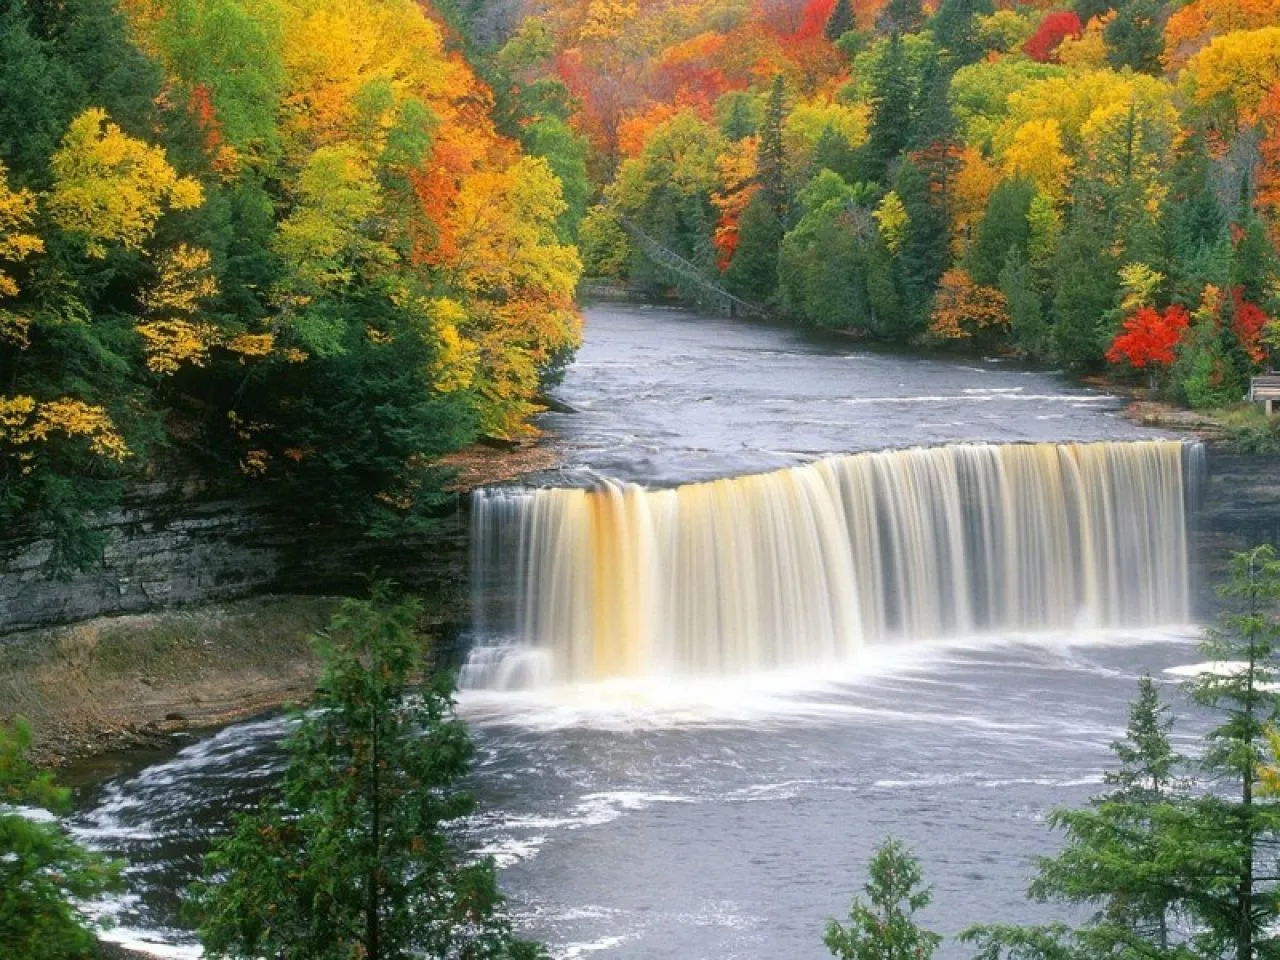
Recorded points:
704,816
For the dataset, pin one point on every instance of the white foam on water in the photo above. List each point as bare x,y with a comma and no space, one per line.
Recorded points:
807,694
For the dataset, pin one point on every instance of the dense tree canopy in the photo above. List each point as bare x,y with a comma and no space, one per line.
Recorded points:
1001,168
285,237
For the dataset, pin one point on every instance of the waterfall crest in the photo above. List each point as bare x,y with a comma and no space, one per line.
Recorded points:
807,564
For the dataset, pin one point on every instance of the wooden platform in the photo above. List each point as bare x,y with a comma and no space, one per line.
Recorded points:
1265,389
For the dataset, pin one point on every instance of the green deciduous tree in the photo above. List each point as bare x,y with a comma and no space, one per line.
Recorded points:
45,876
351,859
884,926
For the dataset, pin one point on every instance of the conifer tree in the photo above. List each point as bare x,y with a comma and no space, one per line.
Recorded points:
351,860
1134,38
771,156
901,16
892,101
1234,880
841,21
1123,853
753,271
884,926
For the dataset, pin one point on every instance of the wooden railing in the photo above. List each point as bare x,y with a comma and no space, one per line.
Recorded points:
1265,389
690,272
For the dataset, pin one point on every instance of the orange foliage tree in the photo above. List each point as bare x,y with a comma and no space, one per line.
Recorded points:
964,310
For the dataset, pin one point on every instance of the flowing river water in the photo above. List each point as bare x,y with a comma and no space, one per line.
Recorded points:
698,708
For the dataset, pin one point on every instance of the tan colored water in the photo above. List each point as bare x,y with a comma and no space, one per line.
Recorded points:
807,564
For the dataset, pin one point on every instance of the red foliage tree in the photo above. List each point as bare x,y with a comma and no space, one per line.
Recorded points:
1149,338
1247,323
1054,28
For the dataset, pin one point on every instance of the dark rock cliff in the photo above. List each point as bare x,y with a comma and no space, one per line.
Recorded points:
172,544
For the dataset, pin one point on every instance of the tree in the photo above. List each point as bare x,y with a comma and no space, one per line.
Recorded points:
1003,228
753,271
1124,854
45,876
1085,289
1149,339
351,859
1235,877
1026,311
884,927
110,188
955,26
964,310
841,21
892,99
1053,29
771,156
1134,39
901,16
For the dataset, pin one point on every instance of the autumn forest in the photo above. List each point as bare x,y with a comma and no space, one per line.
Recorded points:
312,246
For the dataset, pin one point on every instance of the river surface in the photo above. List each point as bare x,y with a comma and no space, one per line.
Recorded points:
664,397
730,818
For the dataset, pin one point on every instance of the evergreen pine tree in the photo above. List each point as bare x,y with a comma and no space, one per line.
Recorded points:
753,271
1026,311
1086,288
955,28
1134,38
771,157
1234,884
841,21
923,254
352,858
901,16
884,927
834,153
1123,853
1003,229
892,100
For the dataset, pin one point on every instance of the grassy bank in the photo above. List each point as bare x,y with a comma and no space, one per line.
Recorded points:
117,682
1242,428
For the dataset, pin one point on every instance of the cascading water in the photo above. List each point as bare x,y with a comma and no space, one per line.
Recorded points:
807,564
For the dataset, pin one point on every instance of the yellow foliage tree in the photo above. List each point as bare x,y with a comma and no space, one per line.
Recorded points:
173,333
1232,76
518,283
332,234
110,188
1036,154
892,218
24,422
1190,27
17,242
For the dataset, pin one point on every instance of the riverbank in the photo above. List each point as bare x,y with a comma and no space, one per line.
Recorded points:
115,683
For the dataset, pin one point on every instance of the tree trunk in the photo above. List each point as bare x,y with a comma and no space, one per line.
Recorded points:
375,816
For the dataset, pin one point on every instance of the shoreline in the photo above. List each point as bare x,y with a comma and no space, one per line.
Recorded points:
114,684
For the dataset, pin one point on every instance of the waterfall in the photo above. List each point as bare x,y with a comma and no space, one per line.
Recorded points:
807,564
